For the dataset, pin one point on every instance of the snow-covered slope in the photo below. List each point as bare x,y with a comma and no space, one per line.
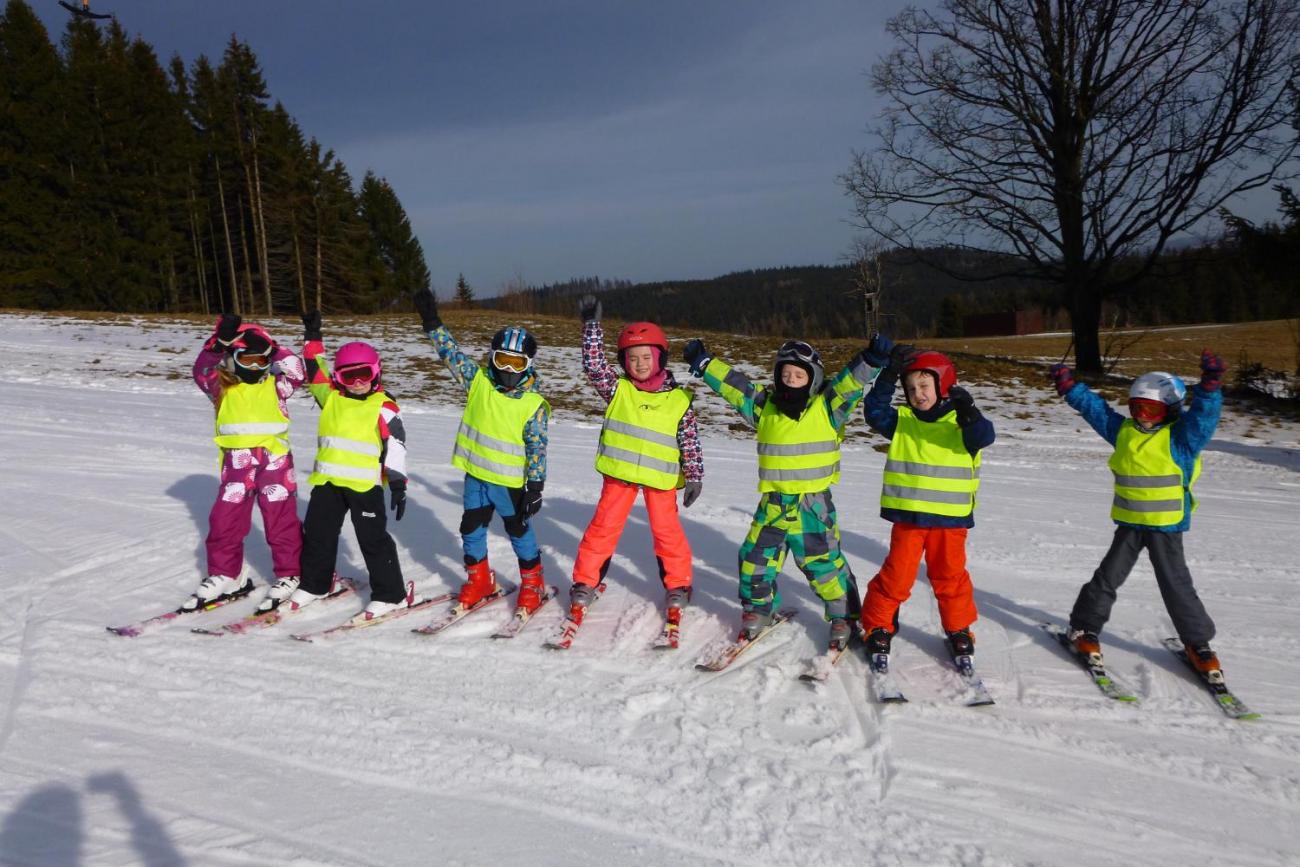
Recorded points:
386,748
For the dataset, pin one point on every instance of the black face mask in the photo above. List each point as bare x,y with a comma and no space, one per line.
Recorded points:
248,376
508,379
791,401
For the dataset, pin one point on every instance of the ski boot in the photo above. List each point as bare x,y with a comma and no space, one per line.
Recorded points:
375,608
1086,644
481,582
531,589
1205,661
280,591
961,643
300,599
216,587
753,622
677,598
878,641
841,633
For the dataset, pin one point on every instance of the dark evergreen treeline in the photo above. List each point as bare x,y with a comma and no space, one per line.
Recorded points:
128,186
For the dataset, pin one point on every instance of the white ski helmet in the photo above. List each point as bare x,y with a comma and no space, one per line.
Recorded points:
1161,386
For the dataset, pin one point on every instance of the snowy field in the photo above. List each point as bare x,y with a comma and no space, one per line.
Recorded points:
386,748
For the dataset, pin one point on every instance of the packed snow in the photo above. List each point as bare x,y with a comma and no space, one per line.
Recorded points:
383,747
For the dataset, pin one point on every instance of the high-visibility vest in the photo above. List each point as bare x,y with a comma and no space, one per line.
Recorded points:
797,457
638,442
249,417
348,445
490,442
1149,485
928,468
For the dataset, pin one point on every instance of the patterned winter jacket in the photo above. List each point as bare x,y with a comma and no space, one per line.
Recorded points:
392,433
463,368
604,378
286,367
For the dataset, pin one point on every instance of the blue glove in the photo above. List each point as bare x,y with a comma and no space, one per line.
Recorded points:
877,352
696,356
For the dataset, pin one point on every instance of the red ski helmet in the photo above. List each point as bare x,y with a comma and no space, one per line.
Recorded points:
643,334
355,362
938,365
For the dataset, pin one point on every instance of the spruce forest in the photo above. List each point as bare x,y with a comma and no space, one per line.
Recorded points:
129,186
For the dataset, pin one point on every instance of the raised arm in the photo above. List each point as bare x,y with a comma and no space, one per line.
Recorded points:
733,386
1095,411
600,373
461,366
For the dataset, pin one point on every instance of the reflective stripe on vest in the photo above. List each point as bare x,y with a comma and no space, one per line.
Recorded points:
797,457
249,416
348,445
638,441
1148,483
490,441
928,469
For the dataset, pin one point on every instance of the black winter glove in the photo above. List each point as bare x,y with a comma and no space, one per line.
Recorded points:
900,356
397,487
426,304
589,308
691,493
694,354
532,499
228,328
964,405
311,326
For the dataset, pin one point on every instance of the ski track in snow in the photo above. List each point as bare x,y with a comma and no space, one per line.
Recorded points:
383,747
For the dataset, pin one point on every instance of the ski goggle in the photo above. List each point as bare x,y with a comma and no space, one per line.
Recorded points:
798,349
356,375
252,360
1145,410
513,361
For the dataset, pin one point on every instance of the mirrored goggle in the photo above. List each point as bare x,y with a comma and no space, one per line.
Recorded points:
799,350
355,375
252,360
514,361
1146,410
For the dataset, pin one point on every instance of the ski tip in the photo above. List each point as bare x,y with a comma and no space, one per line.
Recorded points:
198,630
124,631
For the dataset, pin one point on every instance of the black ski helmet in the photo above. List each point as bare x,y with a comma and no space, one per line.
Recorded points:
516,340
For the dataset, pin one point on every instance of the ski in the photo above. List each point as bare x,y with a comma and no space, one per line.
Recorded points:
881,680
1095,667
134,630
262,619
360,622
564,640
458,612
520,618
733,649
976,693
1213,681
671,635
818,669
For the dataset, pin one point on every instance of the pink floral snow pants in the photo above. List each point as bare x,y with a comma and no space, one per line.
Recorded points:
249,475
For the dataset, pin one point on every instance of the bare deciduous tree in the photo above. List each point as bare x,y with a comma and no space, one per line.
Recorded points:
1075,136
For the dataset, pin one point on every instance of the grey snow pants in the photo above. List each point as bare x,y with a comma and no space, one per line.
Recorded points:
1092,608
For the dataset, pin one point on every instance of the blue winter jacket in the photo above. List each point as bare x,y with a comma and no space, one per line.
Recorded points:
1191,432
882,417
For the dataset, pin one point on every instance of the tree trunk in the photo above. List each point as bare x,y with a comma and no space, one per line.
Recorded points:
243,245
230,250
199,267
216,263
260,217
297,260
318,259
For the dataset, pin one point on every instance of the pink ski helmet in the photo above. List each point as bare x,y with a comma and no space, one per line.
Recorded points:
357,362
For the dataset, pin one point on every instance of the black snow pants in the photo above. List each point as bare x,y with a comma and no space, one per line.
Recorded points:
320,545
1092,608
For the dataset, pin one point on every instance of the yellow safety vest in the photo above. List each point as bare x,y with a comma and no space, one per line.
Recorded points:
798,457
249,417
928,468
638,442
1149,485
490,442
348,445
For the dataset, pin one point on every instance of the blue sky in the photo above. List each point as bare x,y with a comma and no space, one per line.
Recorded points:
537,141
546,140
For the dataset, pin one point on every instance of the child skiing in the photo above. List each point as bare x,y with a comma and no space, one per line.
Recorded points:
360,442
1156,462
800,424
928,491
249,379
648,444
501,446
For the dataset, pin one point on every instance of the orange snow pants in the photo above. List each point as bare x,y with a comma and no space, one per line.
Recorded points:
944,549
616,500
